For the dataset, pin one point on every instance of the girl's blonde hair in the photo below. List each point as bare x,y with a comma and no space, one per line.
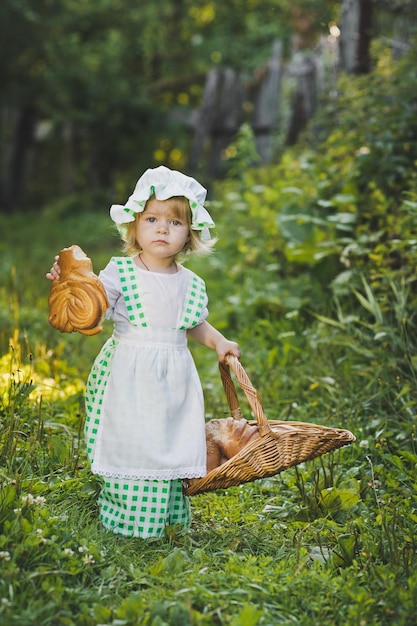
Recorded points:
181,208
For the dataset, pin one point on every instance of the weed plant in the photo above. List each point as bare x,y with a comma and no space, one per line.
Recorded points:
314,274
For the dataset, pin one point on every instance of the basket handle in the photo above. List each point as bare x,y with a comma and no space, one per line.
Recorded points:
249,390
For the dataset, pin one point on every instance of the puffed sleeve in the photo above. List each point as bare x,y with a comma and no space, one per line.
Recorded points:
110,279
204,310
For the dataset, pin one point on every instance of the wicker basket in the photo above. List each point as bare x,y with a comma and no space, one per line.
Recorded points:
281,444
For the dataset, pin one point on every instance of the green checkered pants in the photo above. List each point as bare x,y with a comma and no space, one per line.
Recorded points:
143,508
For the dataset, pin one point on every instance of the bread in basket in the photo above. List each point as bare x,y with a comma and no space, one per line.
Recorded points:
241,451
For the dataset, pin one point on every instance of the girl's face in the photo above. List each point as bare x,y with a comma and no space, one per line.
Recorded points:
162,230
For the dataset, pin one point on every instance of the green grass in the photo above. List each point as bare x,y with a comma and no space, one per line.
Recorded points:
330,542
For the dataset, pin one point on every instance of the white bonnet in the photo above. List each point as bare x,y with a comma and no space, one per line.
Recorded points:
164,183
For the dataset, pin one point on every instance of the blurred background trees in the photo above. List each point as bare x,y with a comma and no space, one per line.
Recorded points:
93,93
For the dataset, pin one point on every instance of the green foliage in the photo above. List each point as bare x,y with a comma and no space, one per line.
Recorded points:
323,304
242,154
331,212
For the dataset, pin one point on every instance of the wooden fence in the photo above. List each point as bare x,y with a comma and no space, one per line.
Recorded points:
229,99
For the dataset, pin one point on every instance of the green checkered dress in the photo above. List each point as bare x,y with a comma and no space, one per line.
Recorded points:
144,411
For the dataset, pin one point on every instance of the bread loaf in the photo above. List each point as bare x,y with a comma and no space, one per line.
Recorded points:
77,300
226,437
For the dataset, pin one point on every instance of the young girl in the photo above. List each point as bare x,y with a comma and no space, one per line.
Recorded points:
145,429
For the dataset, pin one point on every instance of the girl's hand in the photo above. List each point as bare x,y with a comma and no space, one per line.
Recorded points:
55,271
209,336
225,347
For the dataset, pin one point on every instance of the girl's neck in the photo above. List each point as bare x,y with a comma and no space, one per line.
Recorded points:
154,264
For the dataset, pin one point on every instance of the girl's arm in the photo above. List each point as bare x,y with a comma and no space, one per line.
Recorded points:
208,336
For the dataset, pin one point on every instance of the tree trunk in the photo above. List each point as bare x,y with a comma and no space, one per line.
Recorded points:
363,62
304,99
15,180
355,38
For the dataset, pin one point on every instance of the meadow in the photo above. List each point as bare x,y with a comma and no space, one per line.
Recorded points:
314,275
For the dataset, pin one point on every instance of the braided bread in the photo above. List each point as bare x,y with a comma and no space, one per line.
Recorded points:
77,300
